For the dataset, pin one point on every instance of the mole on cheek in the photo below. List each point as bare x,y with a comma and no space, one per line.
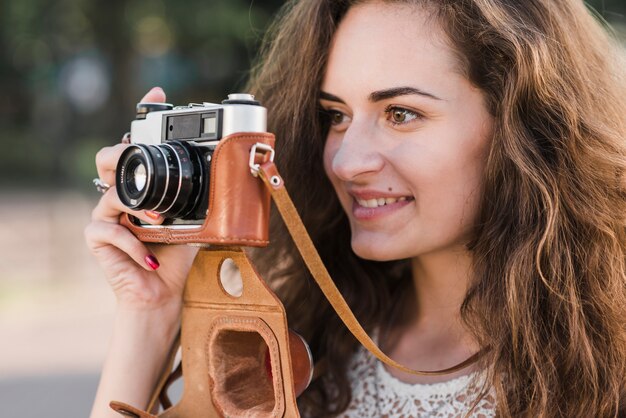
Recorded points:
390,189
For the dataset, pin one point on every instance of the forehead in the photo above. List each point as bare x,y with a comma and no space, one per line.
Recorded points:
378,45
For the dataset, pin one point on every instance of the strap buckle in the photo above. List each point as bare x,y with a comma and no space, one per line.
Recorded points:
257,148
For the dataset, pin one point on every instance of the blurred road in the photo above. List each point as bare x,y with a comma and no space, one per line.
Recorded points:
48,396
56,310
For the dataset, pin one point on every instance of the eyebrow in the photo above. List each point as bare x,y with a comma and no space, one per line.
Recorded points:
384,94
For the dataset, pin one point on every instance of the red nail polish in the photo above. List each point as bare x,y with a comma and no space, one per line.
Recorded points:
152,262
153,215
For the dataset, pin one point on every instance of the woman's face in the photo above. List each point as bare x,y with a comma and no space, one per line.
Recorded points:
409,134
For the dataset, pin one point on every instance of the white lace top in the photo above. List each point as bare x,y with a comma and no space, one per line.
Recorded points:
376,393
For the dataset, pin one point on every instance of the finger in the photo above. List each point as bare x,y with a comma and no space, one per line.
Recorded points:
100,235
106,162
156,95
110,207
107,157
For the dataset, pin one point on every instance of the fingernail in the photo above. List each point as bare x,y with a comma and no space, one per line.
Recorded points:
152,262
153,215
157,88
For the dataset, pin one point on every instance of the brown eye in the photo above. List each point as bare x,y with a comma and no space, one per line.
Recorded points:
398,115
401,116
336,118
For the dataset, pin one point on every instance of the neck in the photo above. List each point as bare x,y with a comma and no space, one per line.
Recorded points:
434,337
440,281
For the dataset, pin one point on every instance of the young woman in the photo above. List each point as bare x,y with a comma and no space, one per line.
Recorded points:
460,166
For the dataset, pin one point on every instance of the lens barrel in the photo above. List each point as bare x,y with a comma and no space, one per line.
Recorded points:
165,178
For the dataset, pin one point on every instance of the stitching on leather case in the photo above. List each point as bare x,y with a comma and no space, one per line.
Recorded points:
180,238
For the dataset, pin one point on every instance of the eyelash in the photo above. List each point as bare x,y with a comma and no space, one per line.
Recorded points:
331,113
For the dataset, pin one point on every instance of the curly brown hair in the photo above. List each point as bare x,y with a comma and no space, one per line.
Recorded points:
549,290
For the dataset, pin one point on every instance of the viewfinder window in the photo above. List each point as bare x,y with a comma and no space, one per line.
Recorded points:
210,125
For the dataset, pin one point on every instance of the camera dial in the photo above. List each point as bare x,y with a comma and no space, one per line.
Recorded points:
241,98
144,108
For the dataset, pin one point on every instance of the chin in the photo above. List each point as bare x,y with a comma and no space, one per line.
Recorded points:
376,252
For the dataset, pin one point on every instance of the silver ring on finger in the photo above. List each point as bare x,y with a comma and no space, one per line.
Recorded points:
101,186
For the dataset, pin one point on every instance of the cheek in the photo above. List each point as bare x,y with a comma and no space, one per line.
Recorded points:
463,195
446,178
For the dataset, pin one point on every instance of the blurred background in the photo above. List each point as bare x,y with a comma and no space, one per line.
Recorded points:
71,72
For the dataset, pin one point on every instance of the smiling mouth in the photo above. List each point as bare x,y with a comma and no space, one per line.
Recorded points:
381,201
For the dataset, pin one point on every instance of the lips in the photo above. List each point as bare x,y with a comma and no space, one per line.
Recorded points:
371,205
381,201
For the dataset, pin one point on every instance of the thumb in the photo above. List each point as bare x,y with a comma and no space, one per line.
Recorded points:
156,95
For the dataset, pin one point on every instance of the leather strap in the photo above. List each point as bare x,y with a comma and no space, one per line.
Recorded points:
159,394
274,182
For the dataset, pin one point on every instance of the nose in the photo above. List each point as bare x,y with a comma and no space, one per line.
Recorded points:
356,155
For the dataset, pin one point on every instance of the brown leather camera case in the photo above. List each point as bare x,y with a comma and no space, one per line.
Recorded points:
225,342
239,204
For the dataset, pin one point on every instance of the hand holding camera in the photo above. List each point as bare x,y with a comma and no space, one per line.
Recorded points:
132,267
149,296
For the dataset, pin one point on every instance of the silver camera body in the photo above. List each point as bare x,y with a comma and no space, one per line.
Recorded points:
156,124
167,167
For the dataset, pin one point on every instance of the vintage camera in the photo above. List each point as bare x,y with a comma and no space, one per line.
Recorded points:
170,165
167,169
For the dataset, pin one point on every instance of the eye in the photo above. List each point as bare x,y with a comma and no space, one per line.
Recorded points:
401,116
336,117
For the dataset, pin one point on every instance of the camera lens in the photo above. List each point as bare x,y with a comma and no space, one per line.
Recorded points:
137,180
164,178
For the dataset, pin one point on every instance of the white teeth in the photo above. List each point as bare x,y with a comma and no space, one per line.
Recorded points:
381,201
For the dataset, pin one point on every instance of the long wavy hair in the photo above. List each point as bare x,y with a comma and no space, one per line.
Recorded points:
549,290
